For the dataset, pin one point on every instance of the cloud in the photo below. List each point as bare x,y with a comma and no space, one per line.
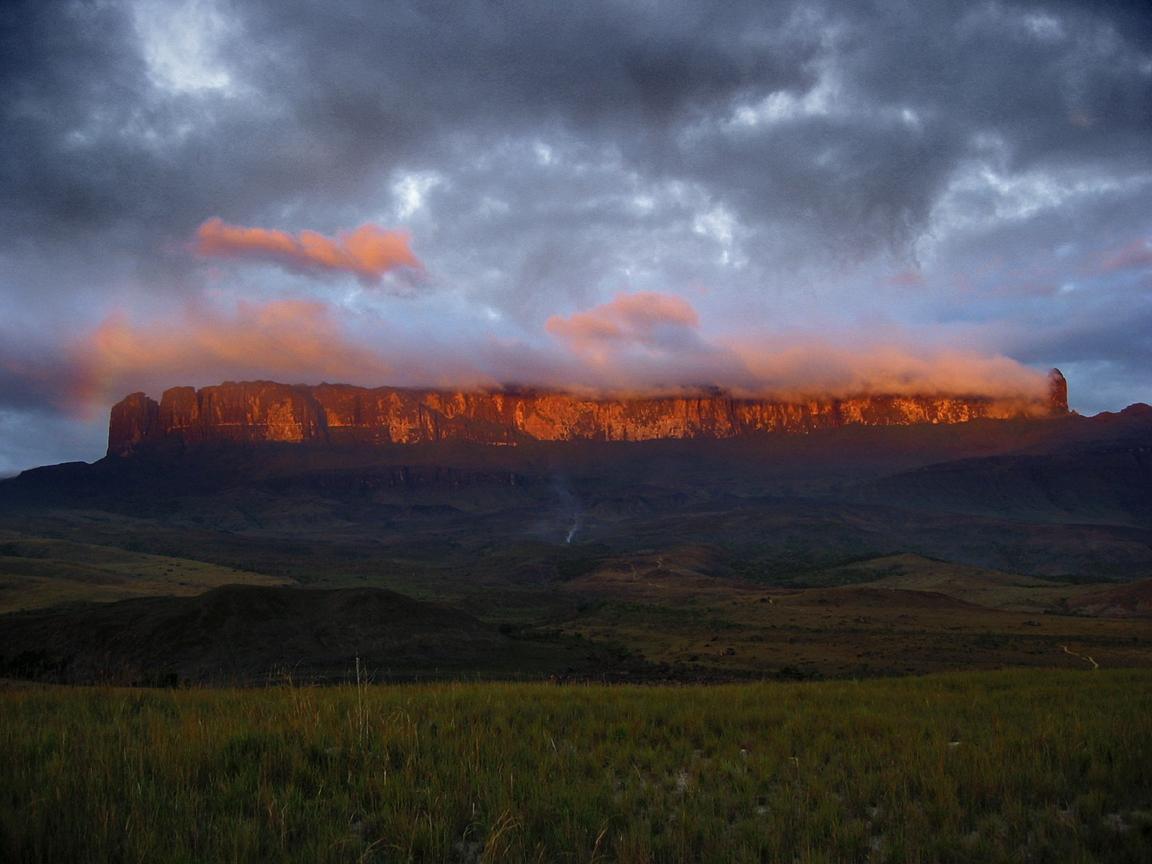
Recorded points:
906,279
652,341
802,365
368,252
638,343
286,340
864,113
648,319
1136,255
641,342
34,378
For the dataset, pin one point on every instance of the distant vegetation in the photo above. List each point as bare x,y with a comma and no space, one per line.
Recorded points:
1006,766
39,572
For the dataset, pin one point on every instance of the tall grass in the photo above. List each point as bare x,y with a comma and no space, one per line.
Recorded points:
1010,766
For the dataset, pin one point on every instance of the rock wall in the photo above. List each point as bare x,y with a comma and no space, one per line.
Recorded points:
254,411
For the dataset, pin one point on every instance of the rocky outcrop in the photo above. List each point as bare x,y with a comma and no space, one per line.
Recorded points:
255,411
135,418
1057,392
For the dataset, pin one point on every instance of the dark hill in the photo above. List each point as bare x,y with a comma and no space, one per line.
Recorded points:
245,634
1133,600
1106,478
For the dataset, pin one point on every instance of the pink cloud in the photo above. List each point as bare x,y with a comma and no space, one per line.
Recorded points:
368,252
1134,256
652,341
802,365
906,279
645,319
286,340
642,343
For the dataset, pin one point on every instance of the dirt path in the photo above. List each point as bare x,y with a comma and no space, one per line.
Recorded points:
1084,657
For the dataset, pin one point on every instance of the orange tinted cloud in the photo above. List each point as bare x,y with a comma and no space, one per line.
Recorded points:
647,320
286,340
367,252
652,341
640,343
801,366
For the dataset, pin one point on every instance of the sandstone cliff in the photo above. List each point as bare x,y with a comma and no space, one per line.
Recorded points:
255,411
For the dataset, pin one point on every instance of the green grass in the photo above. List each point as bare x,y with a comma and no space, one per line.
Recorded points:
37,572
974,767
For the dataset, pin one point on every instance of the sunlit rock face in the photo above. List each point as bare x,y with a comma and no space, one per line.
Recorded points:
135,418
338,414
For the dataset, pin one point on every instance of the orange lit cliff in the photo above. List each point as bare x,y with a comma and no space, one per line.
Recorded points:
340,414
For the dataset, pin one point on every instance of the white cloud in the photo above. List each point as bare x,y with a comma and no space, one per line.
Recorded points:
545,155
825,97
983,194
1045,27
720,225
181,41
409,190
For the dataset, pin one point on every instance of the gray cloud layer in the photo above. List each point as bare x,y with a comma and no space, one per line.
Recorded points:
958,169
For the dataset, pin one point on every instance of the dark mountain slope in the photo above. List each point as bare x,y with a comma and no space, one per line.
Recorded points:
247,634
1065,497
1105,480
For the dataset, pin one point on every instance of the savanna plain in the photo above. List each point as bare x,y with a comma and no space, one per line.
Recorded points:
989,766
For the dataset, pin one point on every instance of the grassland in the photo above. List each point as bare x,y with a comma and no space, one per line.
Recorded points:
37,572
919,616
991,766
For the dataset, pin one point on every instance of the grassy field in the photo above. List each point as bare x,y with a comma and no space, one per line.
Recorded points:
37,572
1014,766
916,616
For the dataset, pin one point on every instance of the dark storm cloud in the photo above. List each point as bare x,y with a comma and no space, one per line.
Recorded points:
29,382
328,96
783,157
593,65
102,156
1113,339
915,92
323,101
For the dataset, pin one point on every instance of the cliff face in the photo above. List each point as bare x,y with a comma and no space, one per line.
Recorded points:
134,419
340,414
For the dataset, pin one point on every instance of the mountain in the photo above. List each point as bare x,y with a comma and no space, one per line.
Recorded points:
264,411
1058,496
1102,478
882,545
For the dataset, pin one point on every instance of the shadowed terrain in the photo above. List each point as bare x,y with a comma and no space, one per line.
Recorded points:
848,551
255,635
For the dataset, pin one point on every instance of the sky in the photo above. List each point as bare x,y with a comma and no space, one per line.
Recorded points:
772,197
